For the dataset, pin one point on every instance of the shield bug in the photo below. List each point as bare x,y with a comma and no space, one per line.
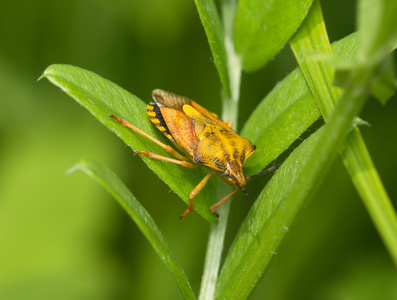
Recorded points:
202,137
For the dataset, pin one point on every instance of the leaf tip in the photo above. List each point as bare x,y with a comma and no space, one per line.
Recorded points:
47,72
72,169
81,165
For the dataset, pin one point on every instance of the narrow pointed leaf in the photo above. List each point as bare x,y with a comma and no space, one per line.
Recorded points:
213,28
102,97
260,237
278,206
311,37
385,84
261,233
262,28
286,112
140,216
377,21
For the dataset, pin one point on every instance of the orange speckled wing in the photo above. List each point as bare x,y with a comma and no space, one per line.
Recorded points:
181,129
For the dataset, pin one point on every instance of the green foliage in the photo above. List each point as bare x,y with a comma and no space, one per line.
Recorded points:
290,105
263,27
260,31
264,228
385,84
376,20
140,216
102,97
213,28
313,37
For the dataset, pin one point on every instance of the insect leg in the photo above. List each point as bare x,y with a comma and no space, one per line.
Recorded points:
167,148
182,163
195,191
216,205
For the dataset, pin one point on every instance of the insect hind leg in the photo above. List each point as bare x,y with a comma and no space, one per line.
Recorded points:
167,148
182,163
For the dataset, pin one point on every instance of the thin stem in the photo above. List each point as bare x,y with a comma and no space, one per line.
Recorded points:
214,250
230,105
229,113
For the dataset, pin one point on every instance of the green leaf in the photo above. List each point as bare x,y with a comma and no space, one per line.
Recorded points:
385,83
259,237
319,75
286,112
213,28
278,206
262,237
312,36
102,97
140,216
377,22
263,27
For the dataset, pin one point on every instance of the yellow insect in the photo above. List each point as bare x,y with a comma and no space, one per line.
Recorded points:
202,137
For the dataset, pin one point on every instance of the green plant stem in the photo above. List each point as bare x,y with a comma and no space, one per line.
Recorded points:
230,105
311,37
214,250
230,113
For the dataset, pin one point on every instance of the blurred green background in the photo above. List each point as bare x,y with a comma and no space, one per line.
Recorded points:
63,237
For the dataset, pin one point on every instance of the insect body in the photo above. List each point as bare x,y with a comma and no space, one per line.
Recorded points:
202,137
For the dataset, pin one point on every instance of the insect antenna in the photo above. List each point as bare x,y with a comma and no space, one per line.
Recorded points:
245,192
264,171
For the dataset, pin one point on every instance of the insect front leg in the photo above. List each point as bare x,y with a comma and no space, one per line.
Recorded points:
195,191
167,148
216,205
